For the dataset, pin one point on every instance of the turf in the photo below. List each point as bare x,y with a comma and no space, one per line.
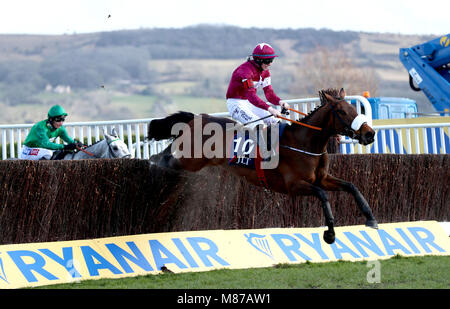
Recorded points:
429,272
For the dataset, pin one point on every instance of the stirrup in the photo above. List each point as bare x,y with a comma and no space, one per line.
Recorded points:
272,153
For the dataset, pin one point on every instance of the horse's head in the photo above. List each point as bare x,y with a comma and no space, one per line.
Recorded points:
117,147
344,118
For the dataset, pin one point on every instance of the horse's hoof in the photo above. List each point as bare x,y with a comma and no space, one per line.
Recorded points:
328,237
372,223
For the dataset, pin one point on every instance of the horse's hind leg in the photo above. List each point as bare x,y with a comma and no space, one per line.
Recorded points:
331,183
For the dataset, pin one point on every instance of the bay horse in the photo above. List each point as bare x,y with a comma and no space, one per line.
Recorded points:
303,160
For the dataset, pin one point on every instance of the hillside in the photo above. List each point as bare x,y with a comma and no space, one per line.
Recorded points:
150,72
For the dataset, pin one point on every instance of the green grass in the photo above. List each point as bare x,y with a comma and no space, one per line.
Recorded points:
140,105
429,272
199,105
134,105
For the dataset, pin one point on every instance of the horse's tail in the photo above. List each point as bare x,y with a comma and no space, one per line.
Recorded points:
161,128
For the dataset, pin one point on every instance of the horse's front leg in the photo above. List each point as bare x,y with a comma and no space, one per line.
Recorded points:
305,188
331,183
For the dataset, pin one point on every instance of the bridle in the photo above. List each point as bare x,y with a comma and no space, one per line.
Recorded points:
347,130
112,154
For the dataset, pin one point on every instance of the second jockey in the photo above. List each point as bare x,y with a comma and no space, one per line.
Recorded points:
40,142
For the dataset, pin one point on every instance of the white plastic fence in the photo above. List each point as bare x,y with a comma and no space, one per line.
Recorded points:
131,131
134,132
429,138
308,104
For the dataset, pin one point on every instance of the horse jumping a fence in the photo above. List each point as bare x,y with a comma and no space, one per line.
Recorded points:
303,166
112,147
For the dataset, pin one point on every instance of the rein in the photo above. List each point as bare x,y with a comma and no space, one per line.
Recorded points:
305,125
92,154
301,123
348,130
298,122
296,111
86,152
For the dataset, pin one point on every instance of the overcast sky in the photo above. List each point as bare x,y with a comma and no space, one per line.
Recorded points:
84,16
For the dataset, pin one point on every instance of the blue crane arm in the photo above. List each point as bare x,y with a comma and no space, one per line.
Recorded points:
428,65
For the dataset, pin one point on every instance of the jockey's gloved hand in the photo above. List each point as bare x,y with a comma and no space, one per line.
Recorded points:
285,105
274,111
71,146
80,144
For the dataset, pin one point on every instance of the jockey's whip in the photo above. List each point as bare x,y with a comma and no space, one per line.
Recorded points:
283,111
247,123
238,127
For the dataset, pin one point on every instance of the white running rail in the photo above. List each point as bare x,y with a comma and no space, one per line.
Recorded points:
134,132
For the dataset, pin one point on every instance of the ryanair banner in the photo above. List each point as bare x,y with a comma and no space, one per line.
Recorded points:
34,264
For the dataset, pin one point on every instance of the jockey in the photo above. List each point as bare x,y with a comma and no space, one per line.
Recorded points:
40,144
243,103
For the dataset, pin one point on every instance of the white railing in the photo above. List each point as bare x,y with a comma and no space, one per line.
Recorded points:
134,132
131,131
429,138
414,138
308,104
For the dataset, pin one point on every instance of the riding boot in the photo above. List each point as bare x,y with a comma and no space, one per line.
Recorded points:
265,142
59,154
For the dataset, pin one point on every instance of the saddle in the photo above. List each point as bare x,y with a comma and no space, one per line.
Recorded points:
59,154
247,149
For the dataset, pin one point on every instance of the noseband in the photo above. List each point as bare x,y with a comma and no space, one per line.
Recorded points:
111,151
349,130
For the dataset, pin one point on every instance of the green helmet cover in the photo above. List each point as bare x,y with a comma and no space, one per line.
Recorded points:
56,111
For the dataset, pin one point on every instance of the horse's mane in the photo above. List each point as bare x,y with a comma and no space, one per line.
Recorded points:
330,91
96,143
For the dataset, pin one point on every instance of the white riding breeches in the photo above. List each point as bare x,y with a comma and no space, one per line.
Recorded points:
29,153
244,112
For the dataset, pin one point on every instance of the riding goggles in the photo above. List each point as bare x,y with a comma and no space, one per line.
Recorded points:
59,119
267,61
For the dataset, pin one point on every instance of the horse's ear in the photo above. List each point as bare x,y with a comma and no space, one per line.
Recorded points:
113,132
105,134
342,93
328,98
322,97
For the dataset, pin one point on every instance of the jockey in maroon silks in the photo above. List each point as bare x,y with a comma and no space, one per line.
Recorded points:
243,102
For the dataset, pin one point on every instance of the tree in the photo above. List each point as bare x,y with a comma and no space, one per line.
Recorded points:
322,68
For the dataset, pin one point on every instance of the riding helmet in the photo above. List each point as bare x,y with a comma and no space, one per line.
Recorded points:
263,51
56,111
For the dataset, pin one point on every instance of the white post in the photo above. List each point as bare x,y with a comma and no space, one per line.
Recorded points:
11,143
4,144
425,140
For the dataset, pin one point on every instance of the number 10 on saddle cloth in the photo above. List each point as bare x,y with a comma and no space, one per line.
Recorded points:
251,147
